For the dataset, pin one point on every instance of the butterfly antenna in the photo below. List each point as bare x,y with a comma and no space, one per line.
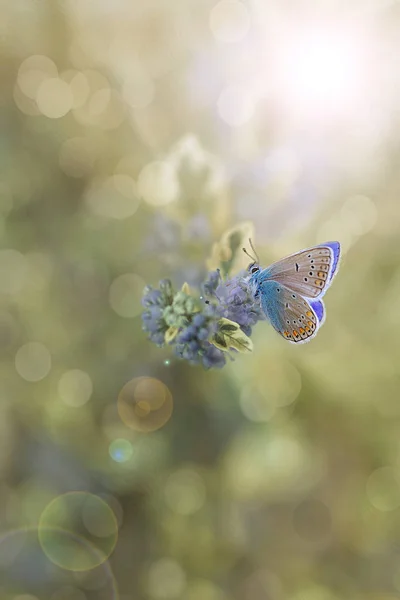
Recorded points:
255,253
249,255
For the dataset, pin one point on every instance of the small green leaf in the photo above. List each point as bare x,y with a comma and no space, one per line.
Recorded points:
186,289
229,328
219,342
227,254
171,334
229,335
241,343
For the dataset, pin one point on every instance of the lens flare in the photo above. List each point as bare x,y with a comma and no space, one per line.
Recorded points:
33,361
145,404
27,565
320,72
120,450
92,527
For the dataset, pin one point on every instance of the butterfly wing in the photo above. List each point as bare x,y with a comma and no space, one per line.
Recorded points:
289,313
308,272
319,308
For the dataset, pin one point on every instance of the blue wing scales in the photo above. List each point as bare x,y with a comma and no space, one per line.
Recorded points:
289,313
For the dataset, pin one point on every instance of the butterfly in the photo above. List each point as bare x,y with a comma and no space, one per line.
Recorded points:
290,291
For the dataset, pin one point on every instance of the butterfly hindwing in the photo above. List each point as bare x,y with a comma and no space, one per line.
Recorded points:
289,313
319,309
308,272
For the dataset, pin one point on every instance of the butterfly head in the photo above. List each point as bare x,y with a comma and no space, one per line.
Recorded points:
253,269
254,266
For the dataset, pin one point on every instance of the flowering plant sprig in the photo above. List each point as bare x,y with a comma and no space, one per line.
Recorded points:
203,327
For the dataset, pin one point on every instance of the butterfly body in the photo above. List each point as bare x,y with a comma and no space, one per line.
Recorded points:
291,289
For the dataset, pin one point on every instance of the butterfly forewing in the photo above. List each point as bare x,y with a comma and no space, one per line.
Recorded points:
289,313
308,272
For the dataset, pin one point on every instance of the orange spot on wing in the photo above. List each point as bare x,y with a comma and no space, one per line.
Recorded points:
309,313
295,333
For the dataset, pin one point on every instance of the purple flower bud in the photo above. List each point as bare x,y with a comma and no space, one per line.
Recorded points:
199,320
231,299
193,346
158,338
203,334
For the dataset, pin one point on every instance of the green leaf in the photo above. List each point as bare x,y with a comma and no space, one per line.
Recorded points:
219,342
229,335
241,343
171,334
228,328
227,254
186,289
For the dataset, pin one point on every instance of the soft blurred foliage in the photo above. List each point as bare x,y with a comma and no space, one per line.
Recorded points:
133,135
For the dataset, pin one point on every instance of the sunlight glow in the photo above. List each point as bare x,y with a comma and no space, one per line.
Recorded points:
321,73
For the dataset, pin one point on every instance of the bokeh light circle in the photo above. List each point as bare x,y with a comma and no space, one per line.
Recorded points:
25,105
33,71
33,361
229,21
54,98
103,107
285,455
145,404
125,295
115,506
185,491
90,522
259,401
255,404
120,450
166,579
75,387
79,86
383,489
99,101
158,183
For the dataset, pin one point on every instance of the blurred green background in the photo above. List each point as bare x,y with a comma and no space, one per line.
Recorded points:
133,135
